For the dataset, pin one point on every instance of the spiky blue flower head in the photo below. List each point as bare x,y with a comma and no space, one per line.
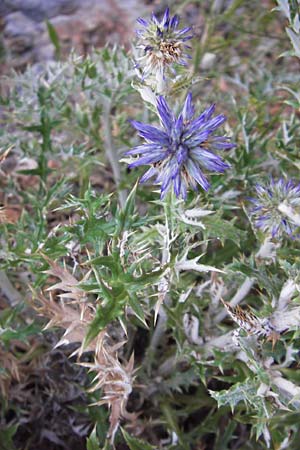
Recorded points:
181,149
276,207
162,43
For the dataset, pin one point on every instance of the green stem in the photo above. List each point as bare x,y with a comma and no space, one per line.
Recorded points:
111,154
46,125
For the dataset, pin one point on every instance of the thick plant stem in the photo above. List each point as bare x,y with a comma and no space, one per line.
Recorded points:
111,154
162,319
159,330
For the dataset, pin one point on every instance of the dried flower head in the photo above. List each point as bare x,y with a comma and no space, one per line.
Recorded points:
247,320
179,151
252,324
162,44
276,207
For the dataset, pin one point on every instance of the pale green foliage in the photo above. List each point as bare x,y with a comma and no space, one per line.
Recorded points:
291,10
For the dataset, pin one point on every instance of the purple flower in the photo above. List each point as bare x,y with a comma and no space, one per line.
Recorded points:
178,152
162,43
276,207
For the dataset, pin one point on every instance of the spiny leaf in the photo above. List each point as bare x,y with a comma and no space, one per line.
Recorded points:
107,261
92,442
136,444
295,40
8,334
245,391
135,304
125,215
106,314
221,229
136,283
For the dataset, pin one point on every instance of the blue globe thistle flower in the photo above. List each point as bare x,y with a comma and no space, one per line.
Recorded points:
276,207
178,152
162,43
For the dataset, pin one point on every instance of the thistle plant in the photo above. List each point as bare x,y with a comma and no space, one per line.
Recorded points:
149,268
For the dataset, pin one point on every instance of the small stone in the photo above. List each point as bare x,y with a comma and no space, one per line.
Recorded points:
208,61
39,10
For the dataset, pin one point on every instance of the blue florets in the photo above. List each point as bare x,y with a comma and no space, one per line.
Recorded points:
276,207
179,151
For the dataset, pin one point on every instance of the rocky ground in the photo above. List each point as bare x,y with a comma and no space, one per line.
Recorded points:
79,24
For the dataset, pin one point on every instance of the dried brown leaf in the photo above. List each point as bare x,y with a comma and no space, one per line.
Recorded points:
69,284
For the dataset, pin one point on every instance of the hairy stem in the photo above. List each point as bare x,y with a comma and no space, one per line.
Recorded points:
162,319
159,330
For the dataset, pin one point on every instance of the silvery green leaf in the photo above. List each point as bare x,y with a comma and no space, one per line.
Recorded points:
197,212
245,391
192,264
286,294
147,94
295,40
283,5
285,131
190,216
296,23
284,320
